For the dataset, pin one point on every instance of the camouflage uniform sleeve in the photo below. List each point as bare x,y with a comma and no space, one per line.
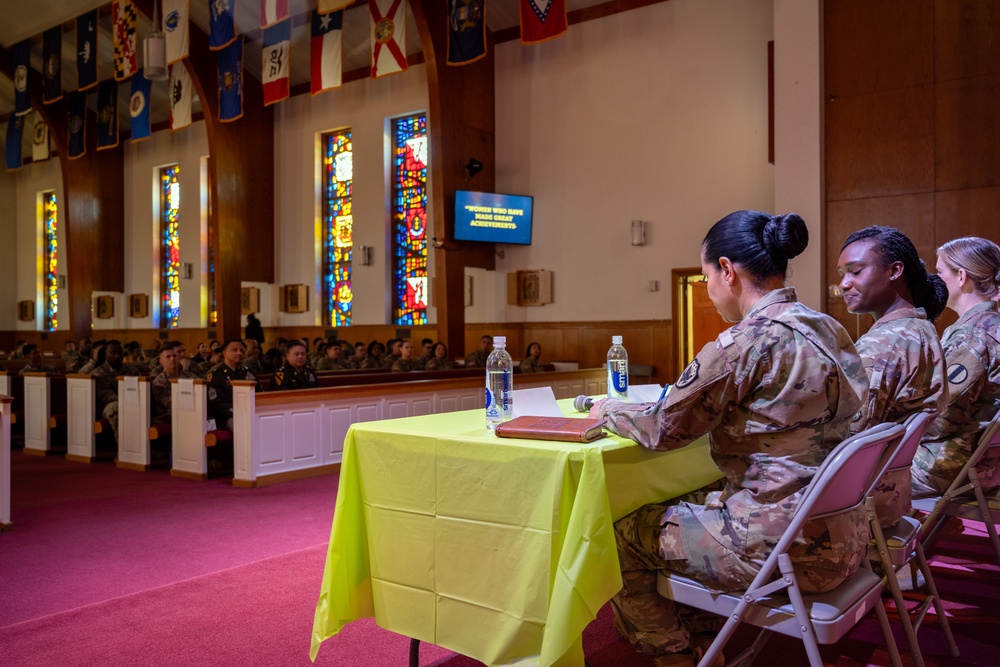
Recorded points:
966,376
694,406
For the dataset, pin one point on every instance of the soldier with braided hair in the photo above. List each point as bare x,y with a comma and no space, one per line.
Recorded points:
882,275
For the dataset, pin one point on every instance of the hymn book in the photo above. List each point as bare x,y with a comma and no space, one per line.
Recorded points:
568,429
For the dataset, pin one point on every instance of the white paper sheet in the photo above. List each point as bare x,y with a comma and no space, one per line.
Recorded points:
535,402
185,390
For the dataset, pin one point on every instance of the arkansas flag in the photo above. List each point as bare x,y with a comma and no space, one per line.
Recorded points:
276,54
325,51
542,20
180,96
388,36
123,24
272,12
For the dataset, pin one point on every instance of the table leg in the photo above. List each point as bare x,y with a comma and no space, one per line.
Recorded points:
414,653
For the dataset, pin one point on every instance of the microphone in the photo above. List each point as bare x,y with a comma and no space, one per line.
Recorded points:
583,403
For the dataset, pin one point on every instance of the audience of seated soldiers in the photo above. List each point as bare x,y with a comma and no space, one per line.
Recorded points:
170,369
295,373
406,363
333,360
34,357
478,358
426,351
220,389
439,360
530,363
96,358
106,381
252,359
17,352
394,346
360,355
376,351
80,356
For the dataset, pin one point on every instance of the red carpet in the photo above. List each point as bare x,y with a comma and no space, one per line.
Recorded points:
114,567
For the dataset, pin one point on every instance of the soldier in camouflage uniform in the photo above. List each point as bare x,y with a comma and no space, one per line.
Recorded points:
478,358
34,357
295,373
882,275
406,363
395,346
106,382
776,394
170,369
530,363
439,359
970,267
220,388
333,360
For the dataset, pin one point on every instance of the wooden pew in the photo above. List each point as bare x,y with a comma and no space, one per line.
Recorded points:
5,522
41,393
133,423
12,384
188,425
81,407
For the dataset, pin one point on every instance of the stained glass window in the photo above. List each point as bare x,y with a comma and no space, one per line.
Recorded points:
338,228
213,311
50,214
170,278
409,216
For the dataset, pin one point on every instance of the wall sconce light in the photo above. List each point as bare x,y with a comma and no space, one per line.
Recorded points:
473,167
365,255
638,232
61,281
154,50
187,270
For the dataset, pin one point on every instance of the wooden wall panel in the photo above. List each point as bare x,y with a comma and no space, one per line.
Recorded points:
967,213
967,136
966,38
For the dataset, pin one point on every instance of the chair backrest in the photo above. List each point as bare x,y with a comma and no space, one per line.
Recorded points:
915,425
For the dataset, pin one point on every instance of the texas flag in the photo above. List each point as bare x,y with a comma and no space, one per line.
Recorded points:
272,11
542,20
388,36
276,55
325,51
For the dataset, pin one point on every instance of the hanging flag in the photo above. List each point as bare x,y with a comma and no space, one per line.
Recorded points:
15,126
175,27
123,27
327,6
325,51
21,55
272,12
222,24
542,20
52,90
77,124
231,81
180,96
138,107
86,50
40,140
466,31
107,114
388,36
276,54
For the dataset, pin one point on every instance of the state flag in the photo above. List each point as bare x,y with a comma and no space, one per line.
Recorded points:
542,20
86,50
222,24
107,114
138,107
466,31
15,128
21,57
388,36
52,90
77,124
176,15
123,27
180,96
325,50
231,81
276,54
327,6
40,140
272,12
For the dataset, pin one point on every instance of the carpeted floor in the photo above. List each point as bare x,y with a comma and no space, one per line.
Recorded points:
115,567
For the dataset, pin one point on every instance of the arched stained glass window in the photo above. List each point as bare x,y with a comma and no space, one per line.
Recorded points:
50,266
409,216
170,238
338,228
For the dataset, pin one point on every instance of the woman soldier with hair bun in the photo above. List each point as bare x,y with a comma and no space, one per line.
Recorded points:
775,393
970,267
882,275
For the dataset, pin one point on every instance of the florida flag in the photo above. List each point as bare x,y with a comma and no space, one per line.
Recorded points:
542,20
325,51
272,11
388,36
276,54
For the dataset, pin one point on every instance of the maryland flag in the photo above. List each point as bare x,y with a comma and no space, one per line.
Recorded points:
388,36
123,25
542,20
466,31
107,114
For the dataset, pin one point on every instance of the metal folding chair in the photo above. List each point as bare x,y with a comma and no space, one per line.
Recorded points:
898,546
842,483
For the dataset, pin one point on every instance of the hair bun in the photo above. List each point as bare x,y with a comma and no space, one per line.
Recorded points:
785,236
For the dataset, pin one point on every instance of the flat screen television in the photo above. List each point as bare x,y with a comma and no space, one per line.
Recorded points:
492,218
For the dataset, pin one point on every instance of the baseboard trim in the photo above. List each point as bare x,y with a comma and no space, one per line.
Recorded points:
132,466
80,459
189,475
278,478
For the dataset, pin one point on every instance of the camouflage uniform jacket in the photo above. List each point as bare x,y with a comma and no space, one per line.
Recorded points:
972,353
775,393
370,362
160,387
287,377
388,360
406,365
220,391
476,360
331,364
41,368
106,383
436,364
529,365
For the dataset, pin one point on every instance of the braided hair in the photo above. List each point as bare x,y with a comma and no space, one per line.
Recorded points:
927,290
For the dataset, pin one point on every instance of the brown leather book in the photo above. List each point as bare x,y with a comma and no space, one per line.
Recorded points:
569,429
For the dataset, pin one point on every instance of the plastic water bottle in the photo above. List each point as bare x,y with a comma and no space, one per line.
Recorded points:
617,370
499,383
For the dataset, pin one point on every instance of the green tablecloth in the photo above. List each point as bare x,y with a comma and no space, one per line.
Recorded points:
500,549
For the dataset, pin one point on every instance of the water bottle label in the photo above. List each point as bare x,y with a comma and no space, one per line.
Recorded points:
491,405
505,393
620,381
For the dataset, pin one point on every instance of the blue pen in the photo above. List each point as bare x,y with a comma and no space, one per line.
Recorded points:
663,394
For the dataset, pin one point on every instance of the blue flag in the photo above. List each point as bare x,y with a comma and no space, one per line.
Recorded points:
77,124
231,81
107,114
15,127
222,24
138,107
21,53
86,50
466,31
52,90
